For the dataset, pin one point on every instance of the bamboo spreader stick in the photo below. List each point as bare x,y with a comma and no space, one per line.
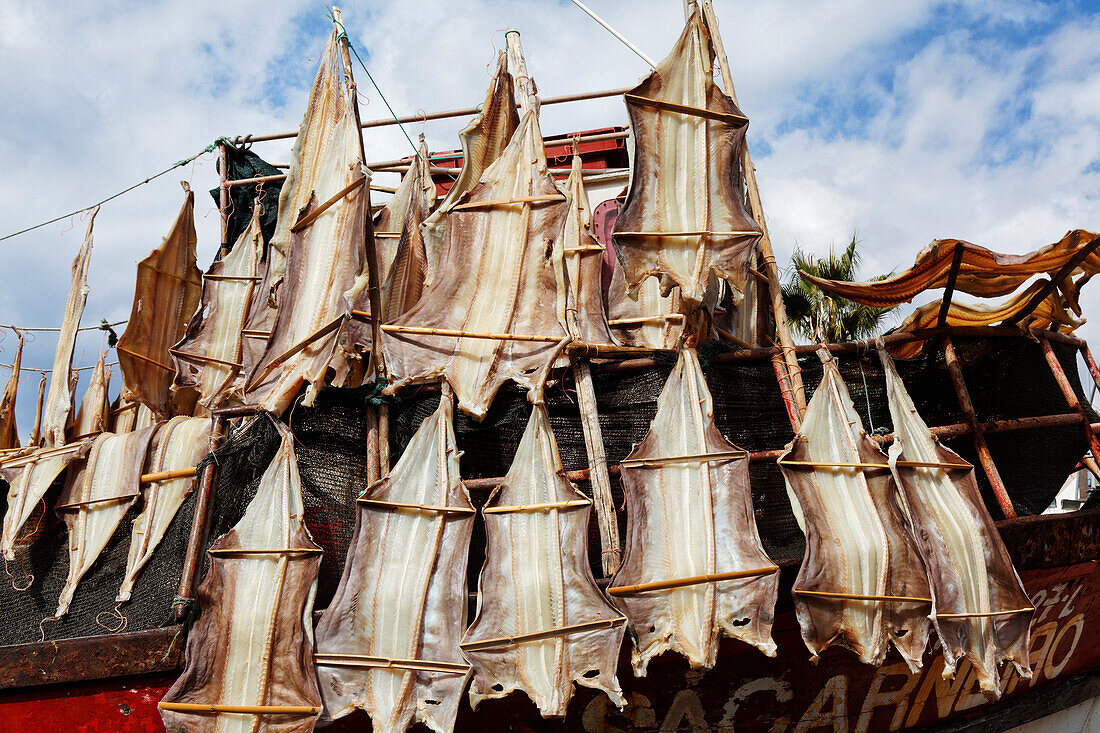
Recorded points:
624,590
187,707
394,505
671,460
608,623
606,519
546,506
364,660
859,597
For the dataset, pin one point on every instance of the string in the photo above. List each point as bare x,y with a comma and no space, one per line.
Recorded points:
178,164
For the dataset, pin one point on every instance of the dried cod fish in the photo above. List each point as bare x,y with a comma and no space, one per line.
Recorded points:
858,540
483,141
309,161
400,248
29,478
9,433
692,519
131,416
59,400
541,622
644,317
500,280
252,645
92,415
167,294
96,498
578,265
388,642
208,358
969,568
684,219
179,444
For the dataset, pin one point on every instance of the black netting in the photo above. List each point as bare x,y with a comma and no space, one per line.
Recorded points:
1007,378
242,164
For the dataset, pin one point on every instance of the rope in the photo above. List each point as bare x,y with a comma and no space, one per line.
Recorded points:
178,164
103,326
862,348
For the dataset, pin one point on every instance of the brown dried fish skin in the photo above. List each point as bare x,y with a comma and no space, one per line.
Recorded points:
92,415
167,294
208,358
252,643
403,593
500,280
483,141
536,578
692,519
9,433
686,178
858,539
969,568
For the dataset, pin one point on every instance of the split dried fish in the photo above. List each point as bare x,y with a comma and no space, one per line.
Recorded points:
541,622
178,444
9,433
59,400
388,642
858,539
690,518
500,280
322,275
578,265
684,220
980,609
167,294
96,498
644,317
252,645
309,161
208,359
92,415
29,478
483,141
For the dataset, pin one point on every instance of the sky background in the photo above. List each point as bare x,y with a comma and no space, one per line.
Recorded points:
898,123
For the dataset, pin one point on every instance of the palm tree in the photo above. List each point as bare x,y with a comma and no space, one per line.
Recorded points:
815,314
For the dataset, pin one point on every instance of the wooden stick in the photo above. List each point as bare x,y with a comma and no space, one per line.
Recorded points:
581,250
507,202
687,234
166,475
647,319
144,358
900,464
1065,271
782,327
187,707
671,460
324,331
200,528
606,518
390,235
664,106
858,597
93,502
364,660
516,508
309,218
259,180
984,455
952,277
252,333
204,357
1070,396
231,277
231,551
607,623
624,590
40,455
464,112
985,615
416,507
391,328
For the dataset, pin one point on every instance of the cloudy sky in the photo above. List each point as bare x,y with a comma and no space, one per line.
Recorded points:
896,122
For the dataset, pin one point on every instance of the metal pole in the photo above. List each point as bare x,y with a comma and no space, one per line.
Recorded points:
615,33
200,527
